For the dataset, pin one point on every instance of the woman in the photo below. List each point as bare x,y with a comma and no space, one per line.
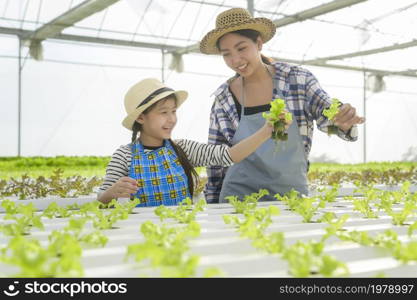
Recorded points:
239,103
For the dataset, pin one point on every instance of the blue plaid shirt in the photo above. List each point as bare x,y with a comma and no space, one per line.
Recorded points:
305,99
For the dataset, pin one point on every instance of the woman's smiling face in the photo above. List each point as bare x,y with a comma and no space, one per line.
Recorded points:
240,53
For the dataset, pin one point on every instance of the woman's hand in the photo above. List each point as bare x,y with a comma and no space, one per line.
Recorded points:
287,122
269,127
347,117
123,187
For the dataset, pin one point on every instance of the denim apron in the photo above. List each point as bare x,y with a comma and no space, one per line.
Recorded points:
159,174
275,166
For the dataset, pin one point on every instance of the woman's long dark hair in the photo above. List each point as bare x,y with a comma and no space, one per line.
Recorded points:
189,170
250,34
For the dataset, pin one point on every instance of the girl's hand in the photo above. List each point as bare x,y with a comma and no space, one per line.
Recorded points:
123,187
347,117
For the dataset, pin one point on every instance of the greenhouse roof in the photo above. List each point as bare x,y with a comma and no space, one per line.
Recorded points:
378,36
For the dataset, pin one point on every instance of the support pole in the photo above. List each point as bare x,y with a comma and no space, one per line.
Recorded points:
251,7
162,65
364,115
19,101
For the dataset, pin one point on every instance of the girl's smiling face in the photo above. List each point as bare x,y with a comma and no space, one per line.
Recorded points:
158,123
240,53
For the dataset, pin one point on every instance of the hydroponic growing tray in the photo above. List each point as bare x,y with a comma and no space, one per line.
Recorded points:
219,244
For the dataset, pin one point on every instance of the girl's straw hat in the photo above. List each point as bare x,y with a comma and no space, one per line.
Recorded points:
145,93
232,20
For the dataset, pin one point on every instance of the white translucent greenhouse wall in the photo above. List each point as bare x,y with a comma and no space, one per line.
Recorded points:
391,125
8,95
72,102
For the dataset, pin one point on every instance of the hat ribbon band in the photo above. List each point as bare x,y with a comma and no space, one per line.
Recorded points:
153,95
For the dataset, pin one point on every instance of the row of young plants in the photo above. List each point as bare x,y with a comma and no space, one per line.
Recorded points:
306,259
35,166
393,176
400,205
61,256
55,185
24,163
53,182
59,185
165,248
98,164
174,238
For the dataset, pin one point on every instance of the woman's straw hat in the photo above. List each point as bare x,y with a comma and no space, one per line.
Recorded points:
232,20
145,93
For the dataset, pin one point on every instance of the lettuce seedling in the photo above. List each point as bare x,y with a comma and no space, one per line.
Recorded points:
103,220
360,237
24,217
411,228
333,109
335,226
363,206
55,211
184,213
166,247
271,243
278,118
291,198
104,217
254,223
305,259
211,272
61,258
399,218
95,239
331,267
330,113
330,194
10,207
307,209
249,202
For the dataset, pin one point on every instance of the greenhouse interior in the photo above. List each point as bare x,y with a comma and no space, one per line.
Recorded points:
322,195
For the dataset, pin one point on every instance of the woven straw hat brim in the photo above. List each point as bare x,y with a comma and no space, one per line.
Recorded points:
128,122
263,25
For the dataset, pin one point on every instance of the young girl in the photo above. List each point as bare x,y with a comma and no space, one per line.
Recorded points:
154,168
239,103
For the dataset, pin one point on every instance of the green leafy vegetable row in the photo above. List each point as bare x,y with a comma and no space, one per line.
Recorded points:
56,185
